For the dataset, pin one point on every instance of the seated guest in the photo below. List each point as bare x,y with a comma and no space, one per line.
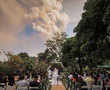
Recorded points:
6,80
35,83
107,82
16,78
22,84
11,80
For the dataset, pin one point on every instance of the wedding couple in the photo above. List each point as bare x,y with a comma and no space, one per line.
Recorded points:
53,75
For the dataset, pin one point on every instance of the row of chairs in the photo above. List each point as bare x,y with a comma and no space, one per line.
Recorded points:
69,85
44,86
21,88
94,87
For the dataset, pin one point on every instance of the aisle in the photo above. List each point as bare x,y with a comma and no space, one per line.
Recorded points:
58,87
56,83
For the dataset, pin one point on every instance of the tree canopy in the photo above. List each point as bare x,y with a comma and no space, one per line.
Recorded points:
93,30
91,44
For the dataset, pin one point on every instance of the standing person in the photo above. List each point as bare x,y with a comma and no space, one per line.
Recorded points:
6,80
30,76
11,80
22,84
49,74
55,77
70,76
16,78
89,81
2,82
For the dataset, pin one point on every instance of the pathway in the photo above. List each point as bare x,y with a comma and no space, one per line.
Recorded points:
58,87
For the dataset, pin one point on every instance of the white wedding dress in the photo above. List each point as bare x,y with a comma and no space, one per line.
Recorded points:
55,77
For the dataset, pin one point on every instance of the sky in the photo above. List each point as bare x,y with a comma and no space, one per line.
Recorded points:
26,24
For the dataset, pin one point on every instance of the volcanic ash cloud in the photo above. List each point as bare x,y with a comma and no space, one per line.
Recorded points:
49,17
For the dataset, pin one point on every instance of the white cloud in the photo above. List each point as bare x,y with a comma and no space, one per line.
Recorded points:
74,8
47,17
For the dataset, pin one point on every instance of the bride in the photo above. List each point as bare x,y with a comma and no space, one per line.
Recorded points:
55,77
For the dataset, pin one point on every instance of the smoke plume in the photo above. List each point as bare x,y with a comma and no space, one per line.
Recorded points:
48,18
45,16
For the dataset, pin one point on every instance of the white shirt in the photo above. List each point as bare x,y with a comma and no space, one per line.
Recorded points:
22,85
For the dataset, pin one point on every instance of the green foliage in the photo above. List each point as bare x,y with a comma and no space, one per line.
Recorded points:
46,56
5,68
29,62
67,50
54,45
57,65
93,31
14,62
42,66
21,61
53,50
91,44
72,57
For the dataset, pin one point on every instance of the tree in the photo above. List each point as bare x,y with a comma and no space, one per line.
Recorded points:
54,45
46,56
71,54
29,62
6,69
42,66
14,61
93,32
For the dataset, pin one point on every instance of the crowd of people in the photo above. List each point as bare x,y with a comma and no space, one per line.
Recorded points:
22,79
101,78
30,79
37,78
